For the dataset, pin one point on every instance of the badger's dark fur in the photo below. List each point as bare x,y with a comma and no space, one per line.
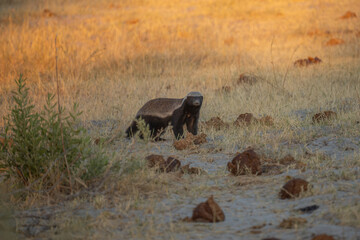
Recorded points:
159,112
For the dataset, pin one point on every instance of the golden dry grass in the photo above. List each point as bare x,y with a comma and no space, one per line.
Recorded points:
115,56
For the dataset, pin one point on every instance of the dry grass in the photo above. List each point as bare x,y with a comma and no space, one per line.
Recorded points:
113,57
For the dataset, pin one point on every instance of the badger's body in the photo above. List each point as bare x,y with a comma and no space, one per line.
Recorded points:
161,112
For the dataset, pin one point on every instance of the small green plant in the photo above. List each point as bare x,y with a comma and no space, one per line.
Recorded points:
47,145
144,130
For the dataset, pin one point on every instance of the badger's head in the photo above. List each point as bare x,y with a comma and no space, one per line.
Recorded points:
193,100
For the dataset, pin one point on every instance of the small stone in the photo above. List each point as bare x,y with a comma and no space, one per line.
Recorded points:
245,162
245,119
48,13
97,141
226,89
292,222
307,61
190,141
247,79
208,211
155,160
293,188
323,237
287,160
324,116
172,165
334,41
348,15
308,209
267,121
216,123
200,139
191,170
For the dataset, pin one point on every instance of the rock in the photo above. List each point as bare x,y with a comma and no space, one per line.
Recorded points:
245,162
248,118
192,170
292,222
271,238
226,89
308,209
216,123
271,169
334,41
348,15
190,141
182,144
172,165
200,139
97,141
306,62
48,13
247,79
324,116
287,160
319,33
245,119
323,237
267,121
208,211
155,160
132,21
293,188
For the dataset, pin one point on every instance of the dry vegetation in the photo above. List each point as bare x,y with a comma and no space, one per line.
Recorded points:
116,55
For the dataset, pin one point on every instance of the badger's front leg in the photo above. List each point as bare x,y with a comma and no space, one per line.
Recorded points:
177,122
192,123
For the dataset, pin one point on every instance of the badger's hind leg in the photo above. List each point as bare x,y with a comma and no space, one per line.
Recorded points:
132,129
157,135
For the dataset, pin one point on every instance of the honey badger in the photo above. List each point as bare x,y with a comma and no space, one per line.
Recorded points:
158,113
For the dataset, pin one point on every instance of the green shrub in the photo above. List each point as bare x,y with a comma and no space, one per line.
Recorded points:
47,145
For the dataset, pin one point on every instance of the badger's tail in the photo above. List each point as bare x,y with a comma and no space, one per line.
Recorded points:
132,129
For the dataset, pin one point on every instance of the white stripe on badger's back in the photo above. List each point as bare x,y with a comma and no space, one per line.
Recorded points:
160,107
194,94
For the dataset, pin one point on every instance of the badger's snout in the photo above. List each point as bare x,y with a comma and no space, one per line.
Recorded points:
196,103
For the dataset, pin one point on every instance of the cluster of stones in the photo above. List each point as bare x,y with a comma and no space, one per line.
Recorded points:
190,141
307,61
171,164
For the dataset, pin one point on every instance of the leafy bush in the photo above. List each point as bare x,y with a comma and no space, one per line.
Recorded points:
47,145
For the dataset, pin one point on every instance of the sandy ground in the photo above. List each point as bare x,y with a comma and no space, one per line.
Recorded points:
251,204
